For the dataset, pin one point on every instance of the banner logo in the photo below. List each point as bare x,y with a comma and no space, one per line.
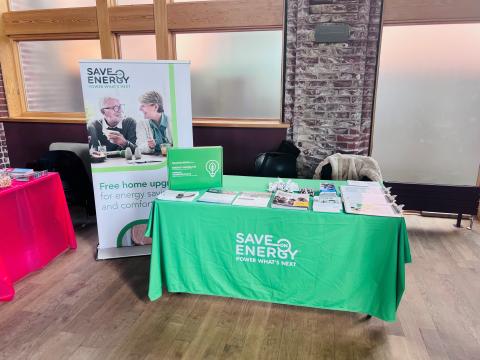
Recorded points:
264,249
212,167
106,76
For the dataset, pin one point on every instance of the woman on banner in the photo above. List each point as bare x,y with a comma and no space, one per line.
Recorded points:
154,132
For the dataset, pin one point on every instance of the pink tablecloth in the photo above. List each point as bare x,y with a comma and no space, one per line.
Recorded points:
35,227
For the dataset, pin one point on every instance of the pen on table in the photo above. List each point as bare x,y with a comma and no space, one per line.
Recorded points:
145,161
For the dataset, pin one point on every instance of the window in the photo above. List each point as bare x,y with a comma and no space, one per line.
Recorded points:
138,47
427,117
134,2
235,49
18,5
51,74
234,74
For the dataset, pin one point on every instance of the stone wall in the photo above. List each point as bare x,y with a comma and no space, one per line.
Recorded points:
4,161
329,88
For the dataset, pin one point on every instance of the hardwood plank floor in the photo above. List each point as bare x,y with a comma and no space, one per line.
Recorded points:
79,308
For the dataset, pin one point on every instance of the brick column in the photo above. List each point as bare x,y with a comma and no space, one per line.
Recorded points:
4,161
329,88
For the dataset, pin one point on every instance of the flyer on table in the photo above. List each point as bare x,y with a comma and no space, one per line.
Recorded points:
136,111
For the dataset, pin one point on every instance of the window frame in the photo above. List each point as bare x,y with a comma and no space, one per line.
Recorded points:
107,21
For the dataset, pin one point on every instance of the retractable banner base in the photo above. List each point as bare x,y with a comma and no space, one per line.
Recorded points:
113,253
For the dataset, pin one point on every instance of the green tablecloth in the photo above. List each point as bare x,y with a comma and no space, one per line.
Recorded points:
325,260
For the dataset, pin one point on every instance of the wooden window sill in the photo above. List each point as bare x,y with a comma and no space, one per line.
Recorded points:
69,118
54,118
239,123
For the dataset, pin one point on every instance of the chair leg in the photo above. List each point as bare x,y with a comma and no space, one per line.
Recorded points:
459,221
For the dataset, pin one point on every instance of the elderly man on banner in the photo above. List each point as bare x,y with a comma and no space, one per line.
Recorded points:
113,131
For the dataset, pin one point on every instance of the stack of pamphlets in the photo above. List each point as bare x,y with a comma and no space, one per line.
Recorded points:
256,199
173,195
286,200
39,174
327,202
20,174
368,199
218,196
19,171
327,188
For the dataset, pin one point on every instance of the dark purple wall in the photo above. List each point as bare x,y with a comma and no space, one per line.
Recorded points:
27,142
240,145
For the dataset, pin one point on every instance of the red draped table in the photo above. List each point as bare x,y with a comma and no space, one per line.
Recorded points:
35,226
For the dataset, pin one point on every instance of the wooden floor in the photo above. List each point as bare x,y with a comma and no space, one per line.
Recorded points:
78,308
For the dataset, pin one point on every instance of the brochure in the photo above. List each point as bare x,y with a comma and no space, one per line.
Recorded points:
173,195
218,196
256,199
348,189
368,200
365,198
285,200
327,203
327,188
389,210
374,184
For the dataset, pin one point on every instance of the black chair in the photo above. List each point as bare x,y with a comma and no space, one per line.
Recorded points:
280,163
76,183
289,148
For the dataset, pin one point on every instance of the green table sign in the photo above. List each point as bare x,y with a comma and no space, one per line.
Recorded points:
195,168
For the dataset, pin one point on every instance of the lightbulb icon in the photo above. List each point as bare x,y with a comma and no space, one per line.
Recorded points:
212,167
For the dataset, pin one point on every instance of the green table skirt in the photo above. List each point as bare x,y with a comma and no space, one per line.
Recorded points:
324,260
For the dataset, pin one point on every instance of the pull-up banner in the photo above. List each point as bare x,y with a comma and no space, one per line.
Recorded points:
135,111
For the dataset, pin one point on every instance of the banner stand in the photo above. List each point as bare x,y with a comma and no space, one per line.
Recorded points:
136,111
